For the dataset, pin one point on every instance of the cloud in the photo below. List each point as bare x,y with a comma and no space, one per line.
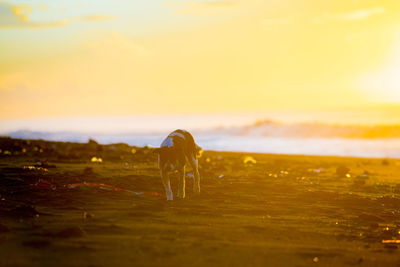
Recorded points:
22,12
18,16
356,15
117,45
276,21
205,4
202,7
93,18
214,3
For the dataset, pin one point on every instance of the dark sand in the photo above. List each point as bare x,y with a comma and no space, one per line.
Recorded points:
280,211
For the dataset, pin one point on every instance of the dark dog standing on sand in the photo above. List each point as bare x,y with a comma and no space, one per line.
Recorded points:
178,147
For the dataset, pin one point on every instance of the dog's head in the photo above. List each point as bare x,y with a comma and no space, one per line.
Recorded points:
161,150
199,151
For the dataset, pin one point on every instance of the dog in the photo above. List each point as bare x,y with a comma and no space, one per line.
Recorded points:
178,148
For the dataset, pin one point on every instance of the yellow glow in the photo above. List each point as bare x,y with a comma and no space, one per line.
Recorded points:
231,56
384,82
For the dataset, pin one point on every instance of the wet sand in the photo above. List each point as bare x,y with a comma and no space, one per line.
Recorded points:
59,208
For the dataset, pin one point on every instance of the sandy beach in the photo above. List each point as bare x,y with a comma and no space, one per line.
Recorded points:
61,205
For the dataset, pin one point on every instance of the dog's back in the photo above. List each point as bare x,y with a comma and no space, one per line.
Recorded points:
178,146
189,145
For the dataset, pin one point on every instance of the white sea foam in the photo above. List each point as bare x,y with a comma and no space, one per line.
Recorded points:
224,133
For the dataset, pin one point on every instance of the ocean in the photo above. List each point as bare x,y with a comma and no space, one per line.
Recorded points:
333,133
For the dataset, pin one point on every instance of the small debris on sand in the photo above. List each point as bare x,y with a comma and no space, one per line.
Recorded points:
316,170
34,168
24,211
87,215
44,184
283,173
342,171
96,160
98,185
249,160
390,241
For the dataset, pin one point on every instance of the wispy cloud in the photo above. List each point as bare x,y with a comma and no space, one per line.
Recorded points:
356,15
21,12
213,3
202,7
93,18
18,16
276,21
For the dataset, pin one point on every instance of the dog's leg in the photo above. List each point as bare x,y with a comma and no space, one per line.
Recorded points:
181,186
194,163
167,185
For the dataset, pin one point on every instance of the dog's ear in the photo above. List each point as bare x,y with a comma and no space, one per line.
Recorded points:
199,151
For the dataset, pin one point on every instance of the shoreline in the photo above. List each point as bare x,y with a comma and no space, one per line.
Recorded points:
211,150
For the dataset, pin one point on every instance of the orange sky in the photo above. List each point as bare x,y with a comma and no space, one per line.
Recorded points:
74,58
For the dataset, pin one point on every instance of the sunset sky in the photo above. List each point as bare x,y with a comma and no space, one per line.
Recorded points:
96,58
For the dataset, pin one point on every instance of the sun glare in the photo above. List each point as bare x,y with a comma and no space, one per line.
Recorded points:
384,84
